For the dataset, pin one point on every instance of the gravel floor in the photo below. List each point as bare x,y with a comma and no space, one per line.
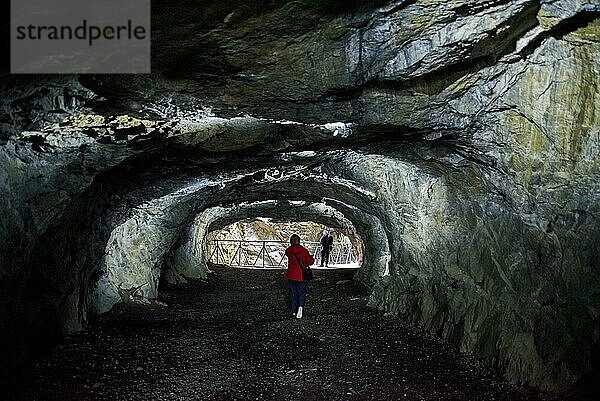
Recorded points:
231,338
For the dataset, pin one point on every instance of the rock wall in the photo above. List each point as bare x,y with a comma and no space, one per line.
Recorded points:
460,139
490,279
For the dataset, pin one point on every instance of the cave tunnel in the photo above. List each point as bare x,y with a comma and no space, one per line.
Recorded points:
454,144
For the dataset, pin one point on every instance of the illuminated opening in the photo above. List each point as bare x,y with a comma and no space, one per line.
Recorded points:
261,243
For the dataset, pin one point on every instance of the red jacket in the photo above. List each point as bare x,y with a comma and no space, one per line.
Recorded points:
294,271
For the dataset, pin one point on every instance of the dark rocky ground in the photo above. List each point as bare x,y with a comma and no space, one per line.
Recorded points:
231,338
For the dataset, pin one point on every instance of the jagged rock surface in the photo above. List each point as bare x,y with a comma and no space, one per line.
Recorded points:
461,141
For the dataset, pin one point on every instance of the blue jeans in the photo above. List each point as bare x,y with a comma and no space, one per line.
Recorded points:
298,290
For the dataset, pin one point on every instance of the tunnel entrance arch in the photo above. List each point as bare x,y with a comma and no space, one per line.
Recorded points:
187,257
261,243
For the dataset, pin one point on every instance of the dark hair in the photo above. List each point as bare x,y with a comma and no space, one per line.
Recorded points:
295,239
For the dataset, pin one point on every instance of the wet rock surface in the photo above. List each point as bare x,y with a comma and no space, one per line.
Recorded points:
229,337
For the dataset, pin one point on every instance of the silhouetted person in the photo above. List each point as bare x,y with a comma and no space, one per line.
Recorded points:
297,254
326,244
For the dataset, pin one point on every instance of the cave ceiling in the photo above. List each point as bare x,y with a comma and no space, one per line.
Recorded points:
383,68
460,138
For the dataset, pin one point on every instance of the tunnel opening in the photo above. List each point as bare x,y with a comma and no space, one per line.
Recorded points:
360,238
261,243
474,189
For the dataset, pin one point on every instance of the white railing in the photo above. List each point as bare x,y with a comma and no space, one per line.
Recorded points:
271,254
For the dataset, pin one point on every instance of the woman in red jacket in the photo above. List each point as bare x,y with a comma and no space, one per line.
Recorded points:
298,287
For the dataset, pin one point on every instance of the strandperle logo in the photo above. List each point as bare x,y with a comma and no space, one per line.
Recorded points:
85,31
80,36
